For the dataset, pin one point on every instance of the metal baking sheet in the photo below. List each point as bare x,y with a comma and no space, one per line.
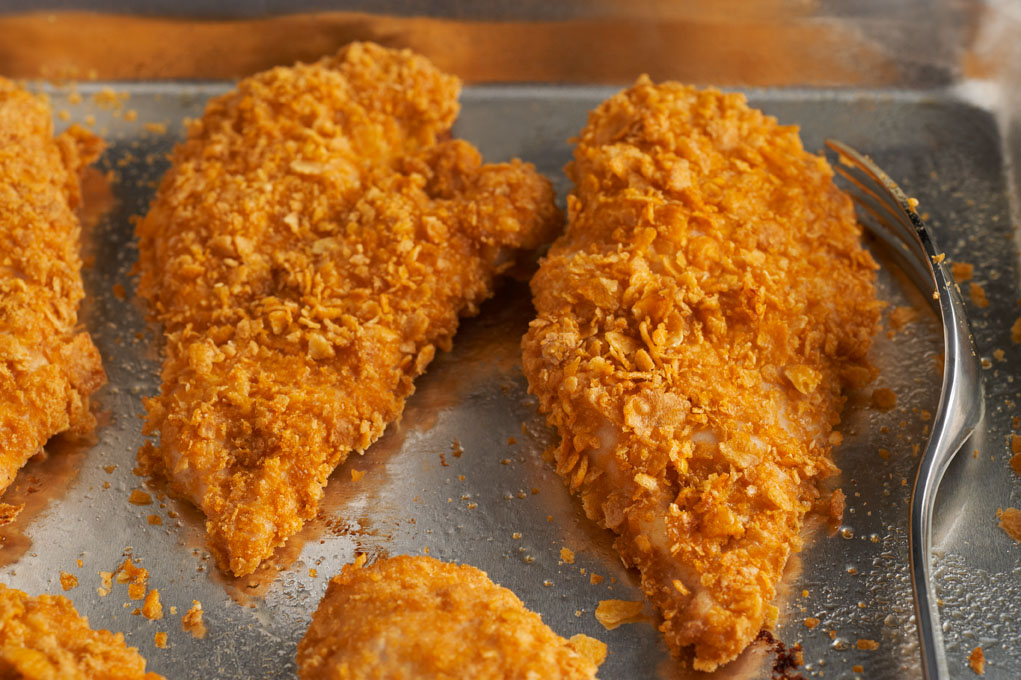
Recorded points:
462,475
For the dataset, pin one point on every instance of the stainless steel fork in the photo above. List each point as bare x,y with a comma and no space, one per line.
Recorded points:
885,211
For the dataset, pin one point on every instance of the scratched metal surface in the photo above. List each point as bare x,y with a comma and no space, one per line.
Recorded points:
462,475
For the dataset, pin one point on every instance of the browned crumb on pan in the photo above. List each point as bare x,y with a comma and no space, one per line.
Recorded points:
1015,463
8,512
152,608
139,497
866,644
191,621
567,555
811,622
962,271
1015,331
68,581
977,661
613,613
978,295
1015,443
786,661
1010,522
902,316
413,617
44,638
311,249
160,640
884,399
49,366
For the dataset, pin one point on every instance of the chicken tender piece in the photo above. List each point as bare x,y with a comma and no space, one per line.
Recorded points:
696,325
48,365
44,638
311,247
417,617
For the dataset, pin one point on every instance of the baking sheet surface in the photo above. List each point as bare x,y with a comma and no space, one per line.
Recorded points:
462,476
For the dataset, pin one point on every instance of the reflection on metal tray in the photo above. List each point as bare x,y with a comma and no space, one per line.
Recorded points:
462,476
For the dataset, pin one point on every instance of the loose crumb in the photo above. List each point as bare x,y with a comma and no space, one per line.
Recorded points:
356,475
567,555
978,295
1015,443
1015,331
152,608
592,649
962,271
811,622
139,497
977,661
192,622
1010,522
866,644
613,613
884,399
119,292
595,579
857,669
1015,463
902,316
161,640
155,520
68,581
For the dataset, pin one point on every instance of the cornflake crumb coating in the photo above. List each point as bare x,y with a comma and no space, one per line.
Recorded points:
417,617
48,364
310,249
696,325
44,638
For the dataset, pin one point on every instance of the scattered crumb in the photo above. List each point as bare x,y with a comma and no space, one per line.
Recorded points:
130,115
977,661
1015,331
865,644
119,292
68,581
590,648
156,128
884,398
192,622
1010,522
595,579
1015,443
857,669
567,555
1015,462
152,608
962,271
902,316
356,475
999,355
161,640
612,613
511,441
9,512
804,593
173,610
109,469
978,295
884,454
139,497
155,520
313,573
836,505
811,622
135,577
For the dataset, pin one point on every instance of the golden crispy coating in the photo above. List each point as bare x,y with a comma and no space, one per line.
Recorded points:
48,366
311,247
416,617
44,638
695,325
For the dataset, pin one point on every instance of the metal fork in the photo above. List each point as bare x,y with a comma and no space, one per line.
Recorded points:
889,214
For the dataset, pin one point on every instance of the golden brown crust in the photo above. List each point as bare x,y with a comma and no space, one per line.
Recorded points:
48,365
44,638
694,327
417,617
311,247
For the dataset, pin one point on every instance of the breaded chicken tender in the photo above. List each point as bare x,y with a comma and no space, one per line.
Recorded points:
48,365
311,247
416,617
696,325
44,638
